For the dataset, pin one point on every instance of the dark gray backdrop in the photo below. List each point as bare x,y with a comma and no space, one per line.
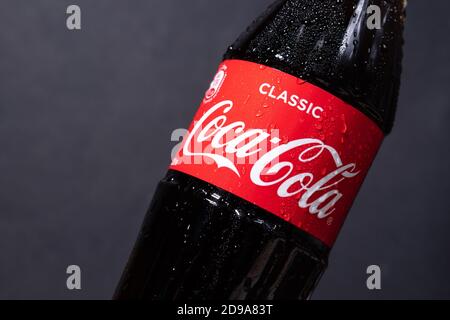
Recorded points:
85,124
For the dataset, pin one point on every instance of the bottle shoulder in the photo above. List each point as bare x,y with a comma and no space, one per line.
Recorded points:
330,46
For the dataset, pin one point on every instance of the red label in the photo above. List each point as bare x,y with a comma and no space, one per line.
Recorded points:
282,144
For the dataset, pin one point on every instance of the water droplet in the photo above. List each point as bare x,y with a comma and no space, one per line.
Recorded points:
344,124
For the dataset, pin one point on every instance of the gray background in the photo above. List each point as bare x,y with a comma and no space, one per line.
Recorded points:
85,124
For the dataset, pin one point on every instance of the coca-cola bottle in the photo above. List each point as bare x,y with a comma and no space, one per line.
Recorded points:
253,201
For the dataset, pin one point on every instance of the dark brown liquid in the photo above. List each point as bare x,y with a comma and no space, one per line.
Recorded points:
200,242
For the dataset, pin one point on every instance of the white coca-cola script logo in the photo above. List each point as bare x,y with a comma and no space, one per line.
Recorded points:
317,194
